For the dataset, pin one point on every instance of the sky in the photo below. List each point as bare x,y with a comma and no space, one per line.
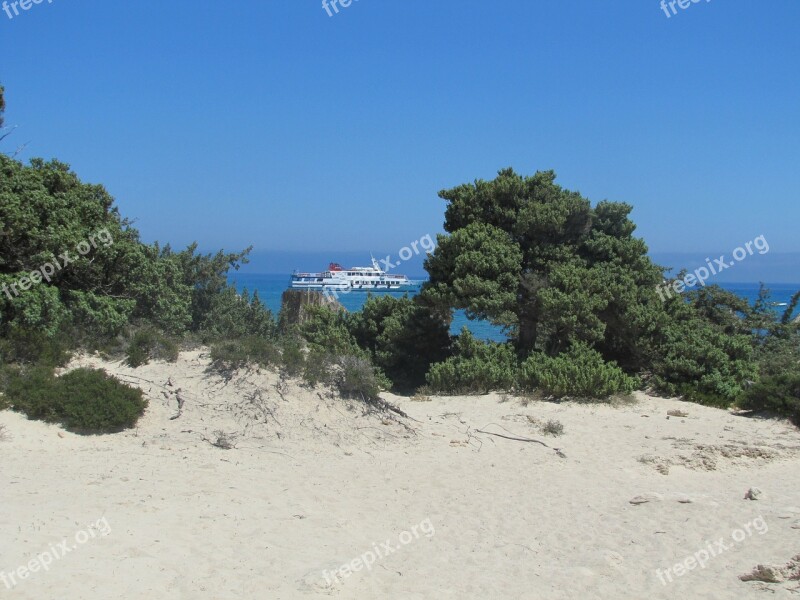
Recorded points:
315,137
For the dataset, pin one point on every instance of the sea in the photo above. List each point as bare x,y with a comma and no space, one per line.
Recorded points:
270,287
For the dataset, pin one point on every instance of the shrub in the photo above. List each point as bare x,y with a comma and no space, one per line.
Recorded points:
84,400
29,346
553,427
476,367
230,315
357,378
777,393
579,372
326,329
695,352
149,344
229,355
293,358
403,338
319,367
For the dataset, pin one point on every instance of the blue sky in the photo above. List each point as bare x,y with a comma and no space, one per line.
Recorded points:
271,123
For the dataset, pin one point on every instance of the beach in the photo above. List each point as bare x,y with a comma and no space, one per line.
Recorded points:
438,503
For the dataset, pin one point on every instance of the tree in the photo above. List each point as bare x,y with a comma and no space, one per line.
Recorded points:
46,211
539,260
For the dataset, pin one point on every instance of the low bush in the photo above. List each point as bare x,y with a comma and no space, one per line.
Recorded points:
553,427
149,344
357,378
776,393
84,400
230,355
476,368
293,357
30,346
579,372
696,353
319,367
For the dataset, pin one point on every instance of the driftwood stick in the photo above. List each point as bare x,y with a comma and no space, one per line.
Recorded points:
521,439
516,439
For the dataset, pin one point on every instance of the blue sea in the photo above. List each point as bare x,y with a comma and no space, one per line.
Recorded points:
270,288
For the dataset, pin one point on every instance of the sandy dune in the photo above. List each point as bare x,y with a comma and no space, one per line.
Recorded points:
438,509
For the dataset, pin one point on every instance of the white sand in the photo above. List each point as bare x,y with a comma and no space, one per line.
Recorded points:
314,483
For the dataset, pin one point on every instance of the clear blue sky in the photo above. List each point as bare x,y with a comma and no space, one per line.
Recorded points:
270,123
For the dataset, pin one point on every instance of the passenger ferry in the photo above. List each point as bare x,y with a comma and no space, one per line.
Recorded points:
368,279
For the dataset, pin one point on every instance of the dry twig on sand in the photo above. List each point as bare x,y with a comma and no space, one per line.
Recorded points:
516,438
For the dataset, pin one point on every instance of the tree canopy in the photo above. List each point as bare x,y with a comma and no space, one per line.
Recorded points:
539,260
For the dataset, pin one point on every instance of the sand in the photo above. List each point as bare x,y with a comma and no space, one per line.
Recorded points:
438,509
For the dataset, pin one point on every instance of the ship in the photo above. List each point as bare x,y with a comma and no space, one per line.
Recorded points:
339,279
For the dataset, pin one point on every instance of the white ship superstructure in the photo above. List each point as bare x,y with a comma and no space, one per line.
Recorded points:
337,278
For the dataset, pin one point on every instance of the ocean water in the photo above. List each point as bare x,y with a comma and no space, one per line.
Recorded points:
270,287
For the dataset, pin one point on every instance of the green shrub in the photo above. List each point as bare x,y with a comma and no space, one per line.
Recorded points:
229,315
689,354
149,344
580,372
30,346
293,358
319,367
99,316
7,374
84,400
357,378
776,393
476,368
229,355
403,338
327,330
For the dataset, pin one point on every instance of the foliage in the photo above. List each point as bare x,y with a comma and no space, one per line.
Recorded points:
579,372
150,344
27,347
229,355
293,357
697,355
560,274
553,427
47,213
776,393
231,315
403,338
326,329
84,400
539,260
357,378
475,367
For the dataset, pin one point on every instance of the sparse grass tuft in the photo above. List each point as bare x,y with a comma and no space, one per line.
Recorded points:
553,427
